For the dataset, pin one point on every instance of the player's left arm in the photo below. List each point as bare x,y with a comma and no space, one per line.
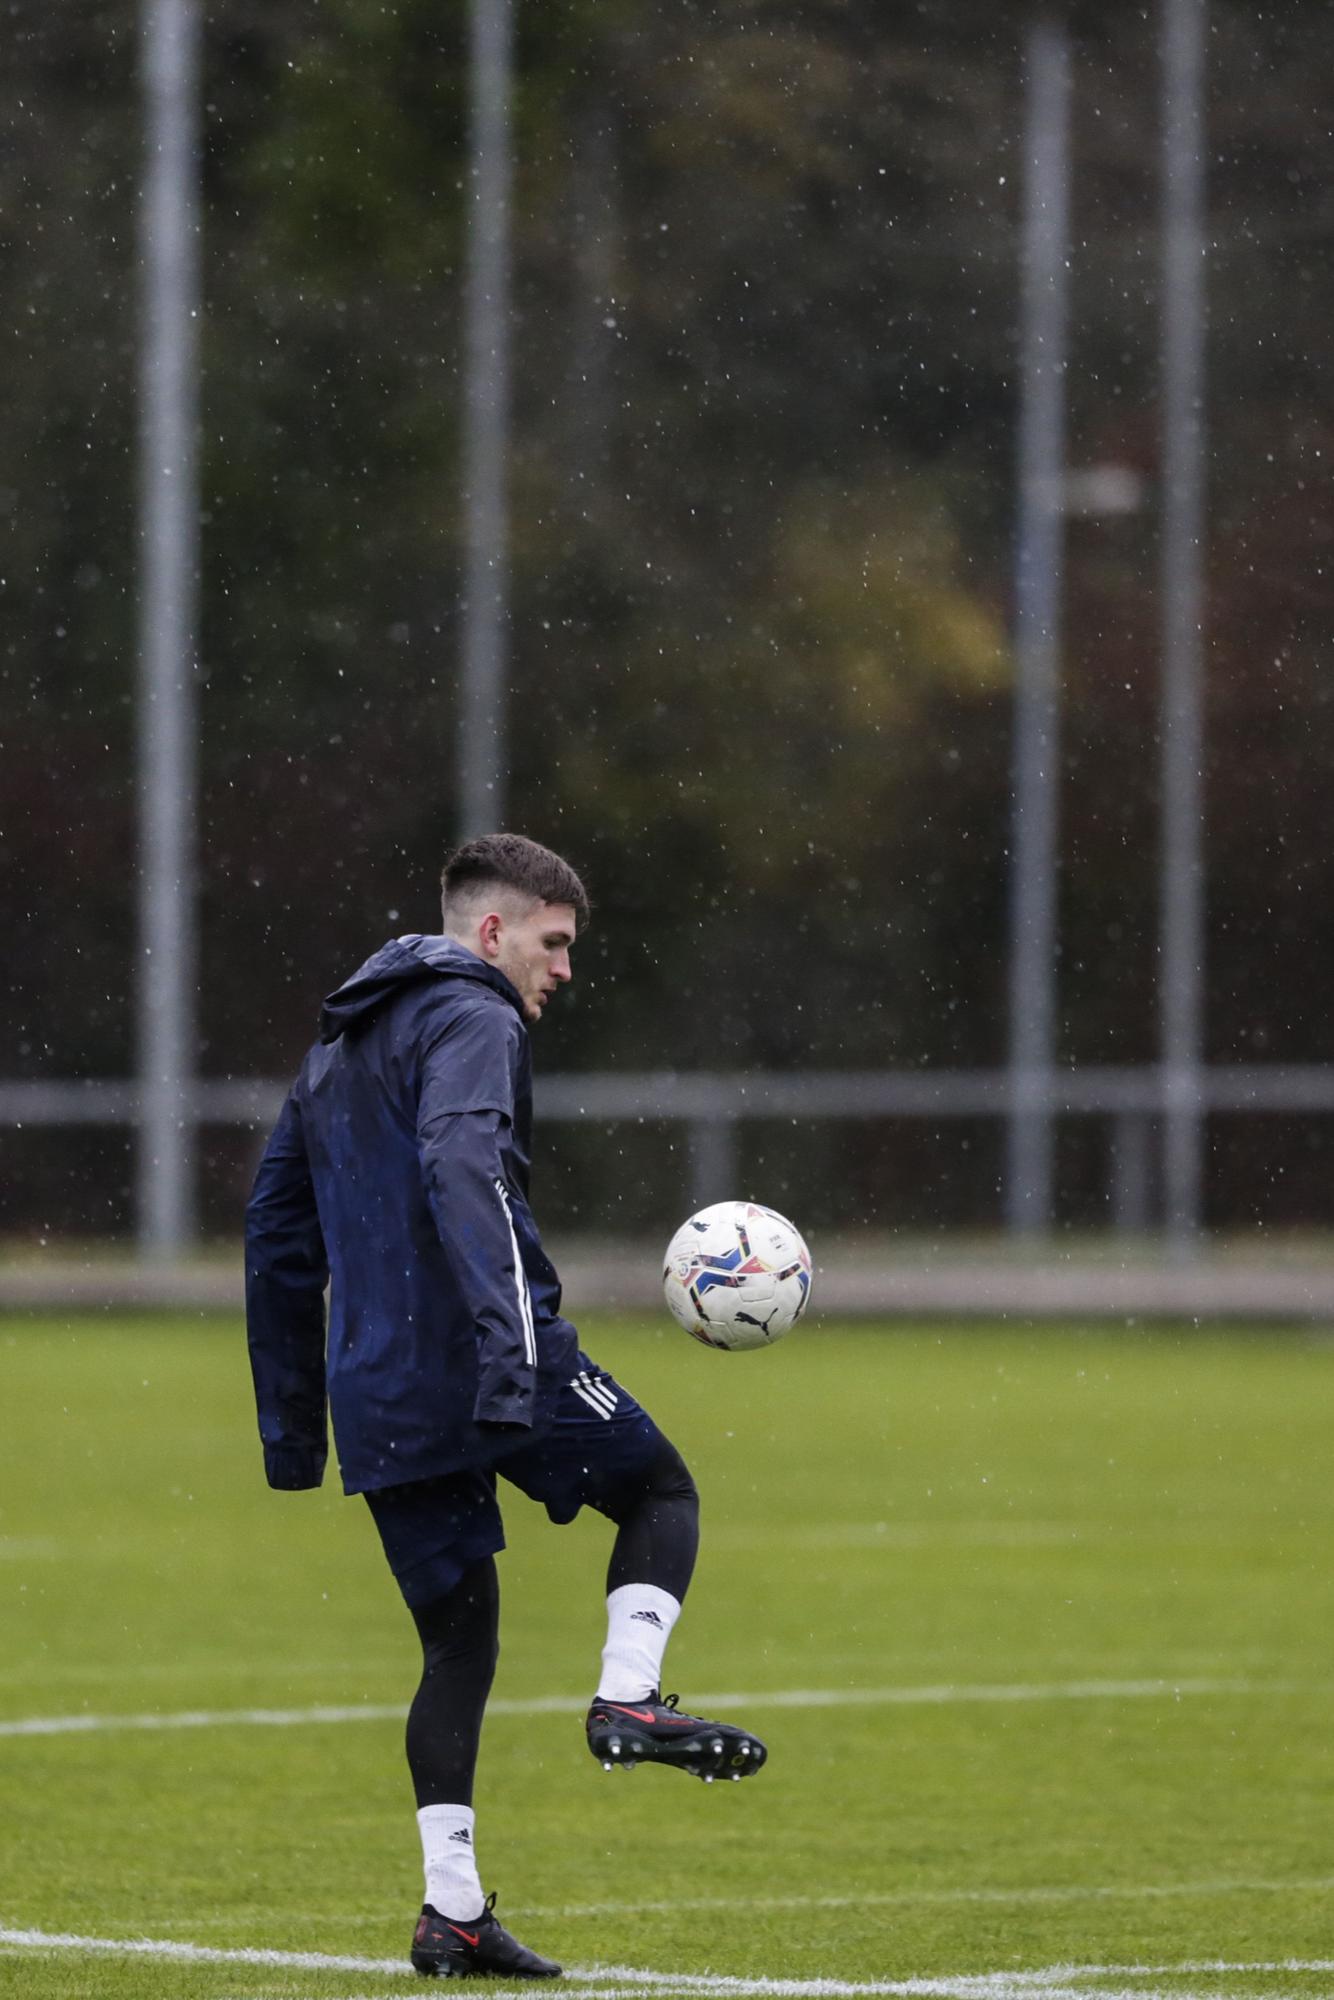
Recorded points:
286,1273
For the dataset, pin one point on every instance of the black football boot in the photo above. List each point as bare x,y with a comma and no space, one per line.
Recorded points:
653,1731
480,1948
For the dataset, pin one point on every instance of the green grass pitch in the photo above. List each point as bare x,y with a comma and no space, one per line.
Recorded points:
1039,1627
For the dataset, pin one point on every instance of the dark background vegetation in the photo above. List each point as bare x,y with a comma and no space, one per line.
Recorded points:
766,261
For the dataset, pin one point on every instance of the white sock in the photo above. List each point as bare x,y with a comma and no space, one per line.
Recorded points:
453,1886
640,1618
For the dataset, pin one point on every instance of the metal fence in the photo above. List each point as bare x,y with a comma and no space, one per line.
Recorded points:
168,1105
713,1105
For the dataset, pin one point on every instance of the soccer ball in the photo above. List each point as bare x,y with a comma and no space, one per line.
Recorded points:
737,1275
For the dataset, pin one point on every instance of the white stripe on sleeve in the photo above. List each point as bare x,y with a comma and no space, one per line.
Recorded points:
520,1283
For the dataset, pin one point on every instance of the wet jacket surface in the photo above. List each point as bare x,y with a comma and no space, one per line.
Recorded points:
398,1174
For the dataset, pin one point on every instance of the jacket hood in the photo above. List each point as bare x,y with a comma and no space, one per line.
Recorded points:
406,961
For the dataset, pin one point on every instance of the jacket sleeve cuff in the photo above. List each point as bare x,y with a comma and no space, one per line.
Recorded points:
291,1468
508,1405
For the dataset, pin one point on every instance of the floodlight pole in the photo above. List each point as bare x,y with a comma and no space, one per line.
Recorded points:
1182,908
1039,563
482,755
169,515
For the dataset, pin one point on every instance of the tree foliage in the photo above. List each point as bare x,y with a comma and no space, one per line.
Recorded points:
765,265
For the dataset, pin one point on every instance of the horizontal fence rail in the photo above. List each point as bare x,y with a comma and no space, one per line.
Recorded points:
714,1106
723,1097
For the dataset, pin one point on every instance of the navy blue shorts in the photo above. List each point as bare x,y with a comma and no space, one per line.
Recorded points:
597,1451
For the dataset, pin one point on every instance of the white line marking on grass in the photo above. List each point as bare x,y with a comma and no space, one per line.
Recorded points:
628,1982
998,1986
200,1718
197,1954
944,1695
1057,1982
985,1985
991,1986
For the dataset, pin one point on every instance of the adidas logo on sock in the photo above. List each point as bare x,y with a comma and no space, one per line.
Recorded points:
646,1618
463,1837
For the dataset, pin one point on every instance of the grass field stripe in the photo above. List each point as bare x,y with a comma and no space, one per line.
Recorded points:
948,1692
867,1899
892,1898
945,1694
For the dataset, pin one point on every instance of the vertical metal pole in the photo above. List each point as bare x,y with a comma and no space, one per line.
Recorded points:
1038,580
714,1153
169,514
1182,583
1131,1170
481,743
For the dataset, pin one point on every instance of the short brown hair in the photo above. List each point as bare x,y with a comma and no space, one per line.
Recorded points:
510,861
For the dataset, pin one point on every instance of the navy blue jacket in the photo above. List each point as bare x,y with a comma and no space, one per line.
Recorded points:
398,1174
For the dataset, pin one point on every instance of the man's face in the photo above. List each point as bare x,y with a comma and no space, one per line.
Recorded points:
533,951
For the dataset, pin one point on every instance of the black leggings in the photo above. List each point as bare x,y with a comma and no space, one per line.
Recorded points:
657,1527
459,1651
657,1539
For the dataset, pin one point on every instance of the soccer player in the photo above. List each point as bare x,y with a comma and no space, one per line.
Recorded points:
398,1174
